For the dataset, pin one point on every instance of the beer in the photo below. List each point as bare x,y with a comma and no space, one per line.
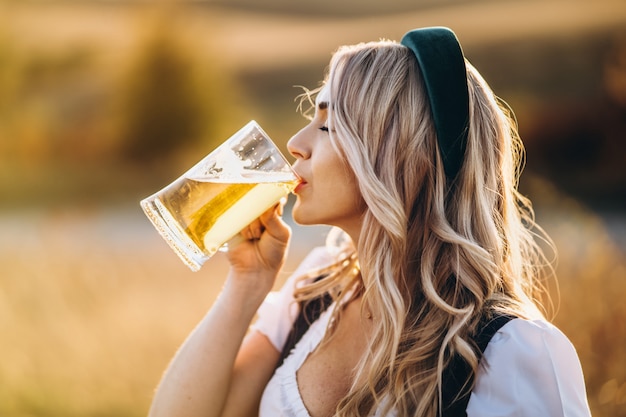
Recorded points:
223,193
207,212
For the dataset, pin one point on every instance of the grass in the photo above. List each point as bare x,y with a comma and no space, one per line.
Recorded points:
591,311
93,304
592,282
90,317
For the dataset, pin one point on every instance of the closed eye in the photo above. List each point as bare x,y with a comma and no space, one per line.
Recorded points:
324,129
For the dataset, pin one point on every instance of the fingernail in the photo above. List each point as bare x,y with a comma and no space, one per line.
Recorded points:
281,204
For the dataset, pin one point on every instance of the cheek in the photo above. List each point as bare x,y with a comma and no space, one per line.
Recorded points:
355,193
340,183
346,189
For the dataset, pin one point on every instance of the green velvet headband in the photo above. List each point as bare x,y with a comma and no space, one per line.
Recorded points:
442,64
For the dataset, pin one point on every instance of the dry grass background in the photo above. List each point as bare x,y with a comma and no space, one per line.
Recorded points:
92,306
93,303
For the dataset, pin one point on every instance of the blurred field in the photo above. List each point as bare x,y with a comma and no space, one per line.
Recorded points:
93,304
103,103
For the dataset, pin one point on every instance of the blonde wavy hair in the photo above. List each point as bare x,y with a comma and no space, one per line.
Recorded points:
434,258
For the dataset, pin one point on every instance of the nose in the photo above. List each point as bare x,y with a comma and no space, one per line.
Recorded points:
297,145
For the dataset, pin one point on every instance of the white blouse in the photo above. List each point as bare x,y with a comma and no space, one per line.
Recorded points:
530,368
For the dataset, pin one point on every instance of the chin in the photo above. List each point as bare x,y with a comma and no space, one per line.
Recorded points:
299,219
300,216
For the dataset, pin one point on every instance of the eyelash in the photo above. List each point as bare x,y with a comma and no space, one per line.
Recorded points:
324,129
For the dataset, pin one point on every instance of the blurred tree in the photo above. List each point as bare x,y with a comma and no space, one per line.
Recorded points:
162,107
615,70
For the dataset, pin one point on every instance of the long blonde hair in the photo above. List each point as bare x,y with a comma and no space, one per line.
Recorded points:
434,257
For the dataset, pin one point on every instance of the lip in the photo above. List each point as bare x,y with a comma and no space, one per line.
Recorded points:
300,185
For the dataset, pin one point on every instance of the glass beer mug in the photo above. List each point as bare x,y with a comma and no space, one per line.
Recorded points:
223,193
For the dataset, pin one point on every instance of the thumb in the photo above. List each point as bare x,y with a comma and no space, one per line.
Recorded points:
273,223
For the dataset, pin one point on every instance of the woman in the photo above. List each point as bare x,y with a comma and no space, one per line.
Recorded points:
429,287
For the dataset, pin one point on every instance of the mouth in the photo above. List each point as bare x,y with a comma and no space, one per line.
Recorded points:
300,185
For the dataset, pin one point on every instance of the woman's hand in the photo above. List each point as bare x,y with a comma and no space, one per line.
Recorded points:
256,261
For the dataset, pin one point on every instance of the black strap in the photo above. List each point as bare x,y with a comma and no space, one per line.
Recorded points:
310,311
455,376
458,376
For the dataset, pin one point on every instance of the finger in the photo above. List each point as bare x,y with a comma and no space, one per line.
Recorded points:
246,233
275,209
253,231
281,206
256,229
274,225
